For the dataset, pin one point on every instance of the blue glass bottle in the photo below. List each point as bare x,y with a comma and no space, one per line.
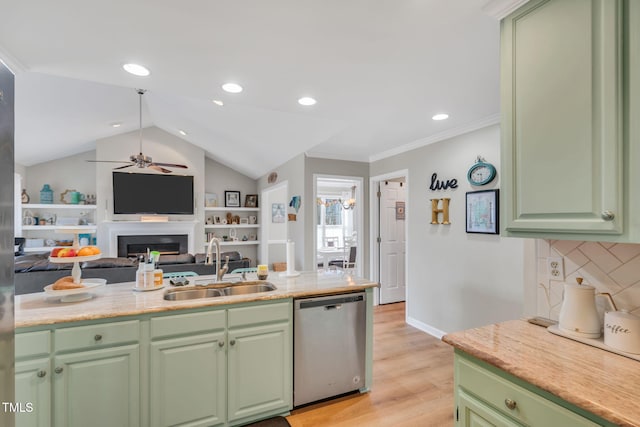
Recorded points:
46,195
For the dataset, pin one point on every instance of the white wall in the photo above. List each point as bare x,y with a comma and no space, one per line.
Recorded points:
456,280
67,173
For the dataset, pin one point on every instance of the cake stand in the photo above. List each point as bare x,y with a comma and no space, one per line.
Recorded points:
76,272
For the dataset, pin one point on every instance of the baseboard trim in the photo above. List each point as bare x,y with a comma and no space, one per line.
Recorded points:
435,332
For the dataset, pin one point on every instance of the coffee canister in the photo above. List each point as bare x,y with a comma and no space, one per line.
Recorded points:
46,195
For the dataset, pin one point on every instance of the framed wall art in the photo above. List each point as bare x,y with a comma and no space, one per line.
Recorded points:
482,214
251,201
232,199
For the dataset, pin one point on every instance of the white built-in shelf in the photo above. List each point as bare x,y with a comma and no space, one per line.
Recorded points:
56,206
39,249
232,226
61,228
237,243
223,209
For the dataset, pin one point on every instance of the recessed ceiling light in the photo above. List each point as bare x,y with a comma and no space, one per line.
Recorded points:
232,87
136,70
306,101
440,116
116,125
217,102
183,133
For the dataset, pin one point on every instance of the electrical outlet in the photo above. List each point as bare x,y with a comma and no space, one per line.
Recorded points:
555,266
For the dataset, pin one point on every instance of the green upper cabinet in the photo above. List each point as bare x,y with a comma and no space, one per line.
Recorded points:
565,133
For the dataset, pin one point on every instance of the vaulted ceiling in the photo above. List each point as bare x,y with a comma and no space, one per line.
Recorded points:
378,69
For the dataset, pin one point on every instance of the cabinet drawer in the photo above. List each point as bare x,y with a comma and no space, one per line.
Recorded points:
528,407
259,314
33,344
190,323
90,336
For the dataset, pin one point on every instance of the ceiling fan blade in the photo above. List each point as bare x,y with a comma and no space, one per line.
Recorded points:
125,166
155,166
171,165
110,161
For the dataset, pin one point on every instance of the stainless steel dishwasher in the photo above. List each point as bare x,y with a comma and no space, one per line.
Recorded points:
329,346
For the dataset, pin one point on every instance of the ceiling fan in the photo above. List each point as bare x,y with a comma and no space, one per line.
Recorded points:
140,160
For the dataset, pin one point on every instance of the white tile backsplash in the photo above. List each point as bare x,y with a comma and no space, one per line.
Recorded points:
610,267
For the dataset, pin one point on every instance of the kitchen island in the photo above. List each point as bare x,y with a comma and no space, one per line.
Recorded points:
494,363
134,359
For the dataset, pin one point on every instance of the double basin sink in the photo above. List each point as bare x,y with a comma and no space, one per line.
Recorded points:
218,290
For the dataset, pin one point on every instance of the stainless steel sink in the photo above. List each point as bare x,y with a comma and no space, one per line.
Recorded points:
218,290
191,293
249,288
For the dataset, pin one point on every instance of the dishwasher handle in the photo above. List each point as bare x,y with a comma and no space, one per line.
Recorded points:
332,302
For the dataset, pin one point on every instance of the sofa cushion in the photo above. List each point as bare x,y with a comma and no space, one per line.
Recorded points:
110,263
233,256
176,259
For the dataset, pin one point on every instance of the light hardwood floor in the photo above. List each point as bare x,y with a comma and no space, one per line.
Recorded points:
412,381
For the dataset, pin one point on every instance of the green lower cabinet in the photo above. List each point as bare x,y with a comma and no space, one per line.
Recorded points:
97,388
487,396
33,387
188,381
260,371
473,412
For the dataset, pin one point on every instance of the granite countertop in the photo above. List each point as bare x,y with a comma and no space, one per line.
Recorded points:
603,383
119,299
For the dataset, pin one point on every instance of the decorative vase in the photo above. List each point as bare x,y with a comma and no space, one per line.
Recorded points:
46,195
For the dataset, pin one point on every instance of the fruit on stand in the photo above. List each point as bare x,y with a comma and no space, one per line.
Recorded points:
66,252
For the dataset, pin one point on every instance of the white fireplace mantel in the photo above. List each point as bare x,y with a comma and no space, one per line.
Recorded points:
112,229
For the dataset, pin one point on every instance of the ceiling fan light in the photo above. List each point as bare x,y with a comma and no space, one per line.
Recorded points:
232,87
136,70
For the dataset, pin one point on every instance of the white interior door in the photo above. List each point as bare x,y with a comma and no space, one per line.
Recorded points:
392,243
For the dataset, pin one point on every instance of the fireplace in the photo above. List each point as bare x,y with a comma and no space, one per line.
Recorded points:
166,244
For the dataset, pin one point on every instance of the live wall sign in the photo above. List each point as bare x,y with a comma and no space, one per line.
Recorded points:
436,210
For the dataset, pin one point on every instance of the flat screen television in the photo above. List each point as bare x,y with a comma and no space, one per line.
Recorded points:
143,193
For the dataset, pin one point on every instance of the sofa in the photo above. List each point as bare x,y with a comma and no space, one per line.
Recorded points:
34,271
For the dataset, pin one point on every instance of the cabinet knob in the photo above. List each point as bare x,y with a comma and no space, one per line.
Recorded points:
59,370
232,342
41,374
97,337
511,404
220,343
608,215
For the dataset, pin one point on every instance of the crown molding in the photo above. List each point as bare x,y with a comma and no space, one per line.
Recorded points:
447,134
501,8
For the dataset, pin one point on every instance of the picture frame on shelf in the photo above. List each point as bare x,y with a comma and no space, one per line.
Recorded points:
231,199
210,200
251,201
217,219
244,220
482,212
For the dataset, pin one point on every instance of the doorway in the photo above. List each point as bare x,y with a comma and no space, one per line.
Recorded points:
273,229
389,214
338,219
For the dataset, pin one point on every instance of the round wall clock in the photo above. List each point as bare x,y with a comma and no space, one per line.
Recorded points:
481,173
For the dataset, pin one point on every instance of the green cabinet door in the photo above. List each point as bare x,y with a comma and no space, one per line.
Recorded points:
475,413
33,386
562,98
188,381
260,371
97,388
